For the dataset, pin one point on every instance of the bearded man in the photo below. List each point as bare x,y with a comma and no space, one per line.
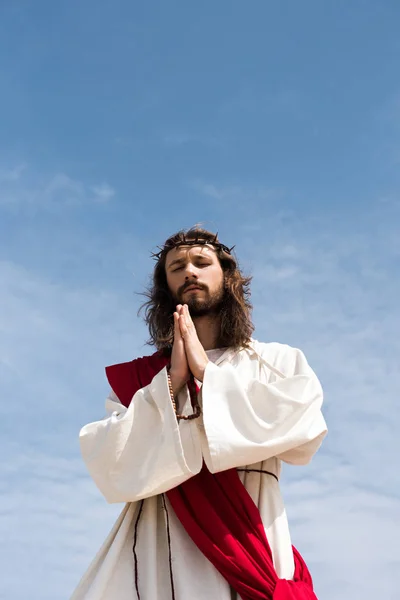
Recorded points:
193,443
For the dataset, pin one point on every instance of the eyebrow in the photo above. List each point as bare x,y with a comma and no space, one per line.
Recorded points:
182,260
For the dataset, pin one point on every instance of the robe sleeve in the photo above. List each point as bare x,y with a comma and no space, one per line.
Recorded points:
247,421
140,451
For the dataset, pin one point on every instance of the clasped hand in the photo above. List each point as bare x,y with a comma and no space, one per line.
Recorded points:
188,355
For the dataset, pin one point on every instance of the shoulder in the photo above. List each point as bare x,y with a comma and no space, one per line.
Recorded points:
137,362
127,378
274,350
283,358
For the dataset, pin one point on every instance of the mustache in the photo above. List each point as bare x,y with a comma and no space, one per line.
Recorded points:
190,284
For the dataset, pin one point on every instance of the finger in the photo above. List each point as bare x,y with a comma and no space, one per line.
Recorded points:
183,326
181,312
188,318
177,330
176,319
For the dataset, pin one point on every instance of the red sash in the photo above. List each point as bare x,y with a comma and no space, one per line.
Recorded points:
219,514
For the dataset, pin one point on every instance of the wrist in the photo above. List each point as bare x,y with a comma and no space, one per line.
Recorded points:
200,372
177,382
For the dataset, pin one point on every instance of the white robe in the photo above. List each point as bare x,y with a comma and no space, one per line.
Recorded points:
260,405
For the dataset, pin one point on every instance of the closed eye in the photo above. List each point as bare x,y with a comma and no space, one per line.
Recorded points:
199,265
203,264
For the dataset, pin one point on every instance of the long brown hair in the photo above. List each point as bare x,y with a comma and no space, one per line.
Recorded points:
235,313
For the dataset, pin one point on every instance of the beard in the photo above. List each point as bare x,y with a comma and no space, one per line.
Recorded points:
209,304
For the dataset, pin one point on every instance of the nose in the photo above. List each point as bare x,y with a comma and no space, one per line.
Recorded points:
190,272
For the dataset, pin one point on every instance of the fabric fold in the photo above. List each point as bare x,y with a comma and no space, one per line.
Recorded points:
219,515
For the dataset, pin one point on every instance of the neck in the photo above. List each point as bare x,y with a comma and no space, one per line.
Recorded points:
207,329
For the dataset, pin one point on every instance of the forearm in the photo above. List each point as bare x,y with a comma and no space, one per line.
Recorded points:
177,382
248,424
140,451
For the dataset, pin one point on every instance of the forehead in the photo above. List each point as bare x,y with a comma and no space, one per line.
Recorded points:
187,253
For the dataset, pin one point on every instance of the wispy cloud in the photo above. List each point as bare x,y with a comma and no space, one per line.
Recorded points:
235,194
357,530
25,189
12,174
317,285
322,287
56,523
55,339
103,192
218,132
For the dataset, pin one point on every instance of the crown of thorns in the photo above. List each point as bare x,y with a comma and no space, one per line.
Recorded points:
197,241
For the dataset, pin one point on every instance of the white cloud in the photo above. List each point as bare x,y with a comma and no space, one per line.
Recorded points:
12,174
235,195
46,517
55,340
103,192
353,552
331,286
61,189
317,285
23,189
212,191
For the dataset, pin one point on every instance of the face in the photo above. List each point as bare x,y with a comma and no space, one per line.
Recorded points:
195,278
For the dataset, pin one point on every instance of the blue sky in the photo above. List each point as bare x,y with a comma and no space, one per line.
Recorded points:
277,124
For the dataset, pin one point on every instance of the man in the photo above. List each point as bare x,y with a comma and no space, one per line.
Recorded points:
193,443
